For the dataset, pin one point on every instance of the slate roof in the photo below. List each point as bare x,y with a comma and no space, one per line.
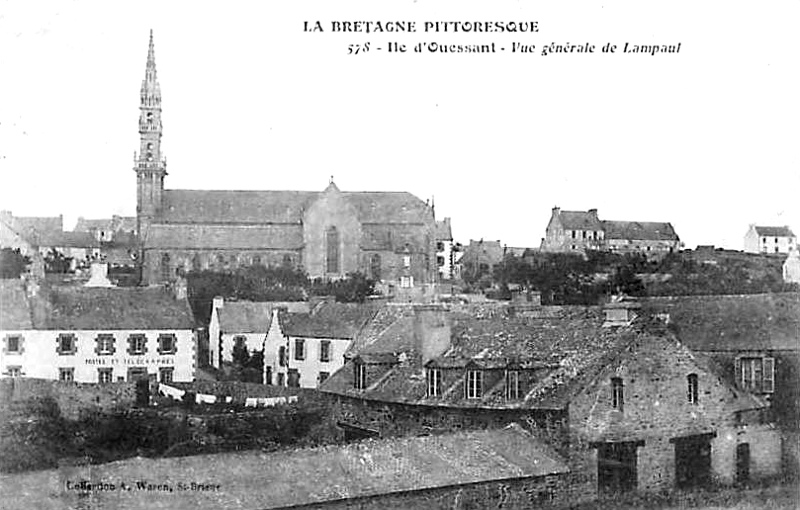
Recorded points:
329,320
93,308
116,223
570,342
733,323
33,228
15,313
444,232
482,251
640,230
580,220
67,239
253,317
774,231
276,207
232,237
313,475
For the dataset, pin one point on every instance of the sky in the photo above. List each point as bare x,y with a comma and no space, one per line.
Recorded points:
706,138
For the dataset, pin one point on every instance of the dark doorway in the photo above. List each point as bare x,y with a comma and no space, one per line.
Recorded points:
142,392
692,461
616,467
743,463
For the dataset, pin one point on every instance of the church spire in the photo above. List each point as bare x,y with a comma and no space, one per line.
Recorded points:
151,92
150,164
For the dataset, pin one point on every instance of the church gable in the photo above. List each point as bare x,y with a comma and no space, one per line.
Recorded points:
331,235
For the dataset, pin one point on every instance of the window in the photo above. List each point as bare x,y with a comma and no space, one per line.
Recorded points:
66,374
165,374
287,260
293,378
332,250
439,261
439,246
280,379
406,282
13,344
105,344
757,374
299,349
105,375
617,393
325,351
693,393
166,272
574,234
281,357
67,344
474,384
434,376
406,261
776,240
584,234
137,344
512,385
256,260
14,371
375,266
323,376
167,344
360,376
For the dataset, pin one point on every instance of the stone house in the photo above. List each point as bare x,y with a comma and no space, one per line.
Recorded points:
94,334
579,231
479,258
388,236
753,340
242,322
760,239
613,391
106,230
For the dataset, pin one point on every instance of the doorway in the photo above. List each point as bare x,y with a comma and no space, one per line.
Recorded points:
742,463
616,467
692,461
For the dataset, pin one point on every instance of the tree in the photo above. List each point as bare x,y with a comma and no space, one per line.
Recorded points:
57,262
13,263
240,354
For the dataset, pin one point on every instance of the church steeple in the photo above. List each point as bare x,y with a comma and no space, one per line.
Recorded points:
149,163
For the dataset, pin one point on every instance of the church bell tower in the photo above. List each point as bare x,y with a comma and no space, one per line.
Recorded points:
149,164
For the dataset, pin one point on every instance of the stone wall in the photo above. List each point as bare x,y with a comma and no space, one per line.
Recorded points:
393,419
73,398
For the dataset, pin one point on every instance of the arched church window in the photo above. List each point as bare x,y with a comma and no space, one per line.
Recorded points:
166,272
332,250
375,266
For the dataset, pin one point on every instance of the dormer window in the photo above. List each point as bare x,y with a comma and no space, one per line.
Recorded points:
360,376
434,377
474,384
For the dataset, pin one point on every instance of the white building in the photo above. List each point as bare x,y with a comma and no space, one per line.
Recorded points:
244,322
769,239
444,249
95,334
791,267
302,350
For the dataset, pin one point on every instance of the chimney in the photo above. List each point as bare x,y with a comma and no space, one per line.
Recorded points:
217,303
99,276
593,213
181,288
431,331
621,311
556,210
